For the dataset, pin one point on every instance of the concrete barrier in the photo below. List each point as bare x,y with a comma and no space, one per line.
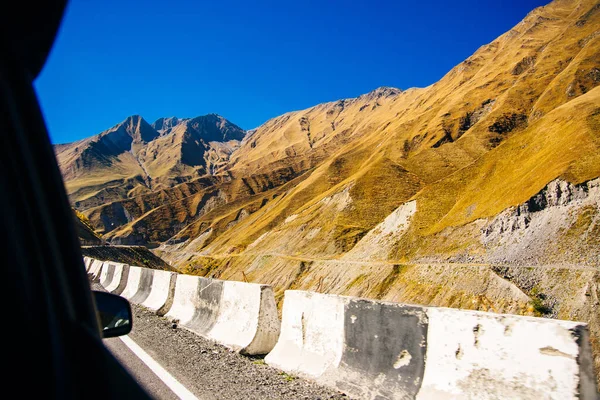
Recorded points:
120,277
247,320
377,350
111,276
92,266
95,269
476,355
207,306
241,316
312,334
87,262
107,273
186,299
161,294
133,282
144,286
384,350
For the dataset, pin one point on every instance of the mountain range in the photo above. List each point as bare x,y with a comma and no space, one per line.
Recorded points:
479,191
135,157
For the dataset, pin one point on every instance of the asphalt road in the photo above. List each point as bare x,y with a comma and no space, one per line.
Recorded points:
140,371
197,367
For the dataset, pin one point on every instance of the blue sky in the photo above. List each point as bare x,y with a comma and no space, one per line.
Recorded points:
250,61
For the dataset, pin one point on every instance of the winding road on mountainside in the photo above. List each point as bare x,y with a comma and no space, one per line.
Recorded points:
419,264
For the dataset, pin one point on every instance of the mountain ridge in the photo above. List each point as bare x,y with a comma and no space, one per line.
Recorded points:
135,155
368,196
307,135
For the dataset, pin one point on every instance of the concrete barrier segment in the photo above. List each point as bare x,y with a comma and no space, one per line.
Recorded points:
118,271
107,274
95,269
384,350
241,324
311,341
483,355
208,303
122,282
162,291
269,325
184,299
241,316
145,286
87,262
133,282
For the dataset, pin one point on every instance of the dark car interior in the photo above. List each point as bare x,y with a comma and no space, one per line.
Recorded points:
51,326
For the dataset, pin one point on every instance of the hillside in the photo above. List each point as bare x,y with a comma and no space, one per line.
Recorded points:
87,235
480,191
490,135
92,245
138,256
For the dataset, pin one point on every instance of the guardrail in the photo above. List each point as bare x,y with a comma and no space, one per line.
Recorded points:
241,316
371,349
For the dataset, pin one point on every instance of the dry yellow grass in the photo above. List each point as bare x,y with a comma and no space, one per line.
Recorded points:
300,192
497,128
490,134
483,138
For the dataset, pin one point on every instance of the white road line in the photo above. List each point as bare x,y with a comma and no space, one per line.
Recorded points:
159,371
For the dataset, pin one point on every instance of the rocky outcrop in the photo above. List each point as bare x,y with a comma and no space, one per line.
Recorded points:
533,231
508,122
523,65
164,126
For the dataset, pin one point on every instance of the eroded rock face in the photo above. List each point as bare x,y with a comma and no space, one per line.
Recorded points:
560,193
376,245
523,65
534,229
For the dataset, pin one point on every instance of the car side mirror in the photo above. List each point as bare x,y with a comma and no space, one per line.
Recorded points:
114,314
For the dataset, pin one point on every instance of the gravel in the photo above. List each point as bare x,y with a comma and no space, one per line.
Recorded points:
213,371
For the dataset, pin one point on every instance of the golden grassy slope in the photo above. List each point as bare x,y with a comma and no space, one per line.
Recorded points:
305,187
487,136
496,129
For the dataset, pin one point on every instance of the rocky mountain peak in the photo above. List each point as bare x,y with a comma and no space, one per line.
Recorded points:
213,127
165,125
382,91
137,128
